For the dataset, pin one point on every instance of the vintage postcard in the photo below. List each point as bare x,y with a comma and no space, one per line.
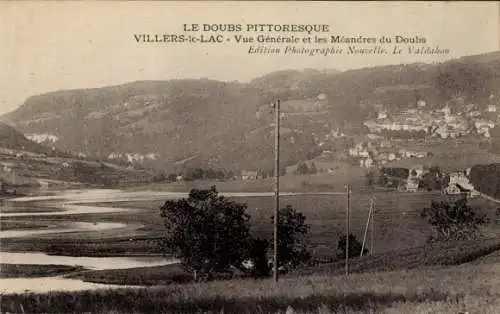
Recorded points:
249,157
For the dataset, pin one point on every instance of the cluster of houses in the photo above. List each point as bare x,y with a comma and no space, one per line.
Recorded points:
459,182
381,152
249,175
440,123
132,157
42,137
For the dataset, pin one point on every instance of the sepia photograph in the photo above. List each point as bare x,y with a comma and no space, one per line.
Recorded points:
282,157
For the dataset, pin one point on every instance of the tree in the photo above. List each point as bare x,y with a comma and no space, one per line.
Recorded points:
191,174
370,178
292,231
431,182
312,168
457,221
160,176
171,177
3,187
207,232
354,246
302,168
282,171
486,179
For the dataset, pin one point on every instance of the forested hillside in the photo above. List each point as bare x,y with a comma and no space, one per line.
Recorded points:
229,124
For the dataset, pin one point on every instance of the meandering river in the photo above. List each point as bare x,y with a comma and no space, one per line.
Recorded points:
69,203
72,202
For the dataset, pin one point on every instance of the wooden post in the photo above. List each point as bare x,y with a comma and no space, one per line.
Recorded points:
372,226
366,227
347,232
277,188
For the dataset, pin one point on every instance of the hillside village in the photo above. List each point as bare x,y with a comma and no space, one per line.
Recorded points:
386,141
382,143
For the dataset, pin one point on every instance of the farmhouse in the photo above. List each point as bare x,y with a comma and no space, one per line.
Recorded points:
366,163
409,185
459,183
248,175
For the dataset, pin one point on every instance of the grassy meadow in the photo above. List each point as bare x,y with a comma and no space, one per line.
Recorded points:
436,290
324,182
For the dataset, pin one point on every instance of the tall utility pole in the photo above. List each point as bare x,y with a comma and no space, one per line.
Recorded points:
347,231
277,187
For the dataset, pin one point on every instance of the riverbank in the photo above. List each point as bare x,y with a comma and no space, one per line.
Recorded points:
30,271
444,290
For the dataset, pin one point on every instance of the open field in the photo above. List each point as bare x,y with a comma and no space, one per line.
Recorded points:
324,182
441,290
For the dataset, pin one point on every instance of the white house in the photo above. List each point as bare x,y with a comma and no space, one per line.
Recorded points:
459,183
364,153
366,163
321,96
421,103
408,186
382,115
248,175
412,185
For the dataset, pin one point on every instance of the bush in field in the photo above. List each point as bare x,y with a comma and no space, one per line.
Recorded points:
302,168
292,231
207,232
313,169
354,246
457,221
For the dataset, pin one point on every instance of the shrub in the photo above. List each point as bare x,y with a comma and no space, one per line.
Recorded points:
457,221
354,246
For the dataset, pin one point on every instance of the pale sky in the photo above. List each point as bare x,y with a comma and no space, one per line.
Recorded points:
48,46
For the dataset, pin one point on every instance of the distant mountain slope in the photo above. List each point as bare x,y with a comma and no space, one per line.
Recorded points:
229,124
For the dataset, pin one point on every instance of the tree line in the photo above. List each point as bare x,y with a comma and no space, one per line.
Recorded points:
486,179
